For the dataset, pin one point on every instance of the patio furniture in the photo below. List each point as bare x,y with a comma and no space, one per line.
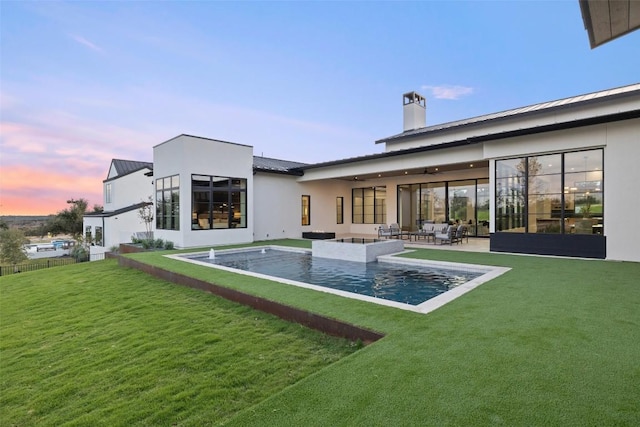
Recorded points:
427,231
460,234
384,231
445,235
397,232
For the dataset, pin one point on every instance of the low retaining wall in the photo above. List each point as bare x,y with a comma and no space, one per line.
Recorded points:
358,252
129,249
314,321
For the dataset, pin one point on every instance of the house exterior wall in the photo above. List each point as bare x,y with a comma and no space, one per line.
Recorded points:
115,229
93,222
186,155
621,143
621,202
127,190
276,201
278,206
323,206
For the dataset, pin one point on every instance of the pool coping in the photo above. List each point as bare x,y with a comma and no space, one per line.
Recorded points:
490,273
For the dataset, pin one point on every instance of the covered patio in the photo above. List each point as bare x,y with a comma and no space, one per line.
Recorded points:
475,244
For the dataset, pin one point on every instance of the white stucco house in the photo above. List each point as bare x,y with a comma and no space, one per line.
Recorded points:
128,186
553,178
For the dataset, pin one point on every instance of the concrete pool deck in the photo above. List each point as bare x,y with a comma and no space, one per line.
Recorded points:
475,244
489,273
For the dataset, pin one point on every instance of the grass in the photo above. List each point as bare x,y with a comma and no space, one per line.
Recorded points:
551,342
7,269
94,344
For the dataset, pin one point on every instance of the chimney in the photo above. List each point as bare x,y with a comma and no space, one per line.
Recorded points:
415,111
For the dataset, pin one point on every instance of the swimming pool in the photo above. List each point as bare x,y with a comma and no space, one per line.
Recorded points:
399,282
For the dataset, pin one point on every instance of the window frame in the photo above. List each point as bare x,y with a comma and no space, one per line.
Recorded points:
374,212
305,210
108,193
99,236
563,210
167,197
221,194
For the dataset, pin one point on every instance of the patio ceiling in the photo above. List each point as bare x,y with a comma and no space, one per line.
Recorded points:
423,171
606,20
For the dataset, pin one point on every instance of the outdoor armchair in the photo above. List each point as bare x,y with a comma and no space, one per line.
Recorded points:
446,235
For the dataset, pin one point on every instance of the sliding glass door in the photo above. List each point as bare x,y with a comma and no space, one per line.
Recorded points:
439,202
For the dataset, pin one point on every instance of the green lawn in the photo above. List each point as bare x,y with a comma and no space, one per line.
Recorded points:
551,342
94,344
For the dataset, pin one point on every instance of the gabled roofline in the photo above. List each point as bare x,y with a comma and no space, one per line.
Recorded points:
140,166
517,113
200,137
150,173
634,114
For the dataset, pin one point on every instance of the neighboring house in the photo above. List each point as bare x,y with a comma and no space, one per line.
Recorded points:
129,185
551,178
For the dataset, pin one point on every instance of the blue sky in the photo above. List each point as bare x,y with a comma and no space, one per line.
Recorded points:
85,82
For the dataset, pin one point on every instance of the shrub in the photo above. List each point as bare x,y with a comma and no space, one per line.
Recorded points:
79,253
168,245
158,243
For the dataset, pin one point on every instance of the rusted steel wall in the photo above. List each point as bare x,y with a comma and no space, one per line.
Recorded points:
321,323
129,249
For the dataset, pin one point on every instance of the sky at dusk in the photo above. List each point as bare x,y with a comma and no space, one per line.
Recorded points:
82,83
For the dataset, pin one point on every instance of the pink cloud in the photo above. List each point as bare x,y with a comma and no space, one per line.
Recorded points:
25,191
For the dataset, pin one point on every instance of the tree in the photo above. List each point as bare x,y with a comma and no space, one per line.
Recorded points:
12,248
145,213
69,221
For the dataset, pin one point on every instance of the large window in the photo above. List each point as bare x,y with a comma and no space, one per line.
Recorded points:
218,202
555,193
438,202
369,205
510,194
306,210
168,203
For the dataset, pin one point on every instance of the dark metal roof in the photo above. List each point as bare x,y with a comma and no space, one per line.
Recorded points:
118,211
265,164
459,142
519,112
124,167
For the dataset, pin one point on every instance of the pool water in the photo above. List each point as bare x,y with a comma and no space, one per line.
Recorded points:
404,283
